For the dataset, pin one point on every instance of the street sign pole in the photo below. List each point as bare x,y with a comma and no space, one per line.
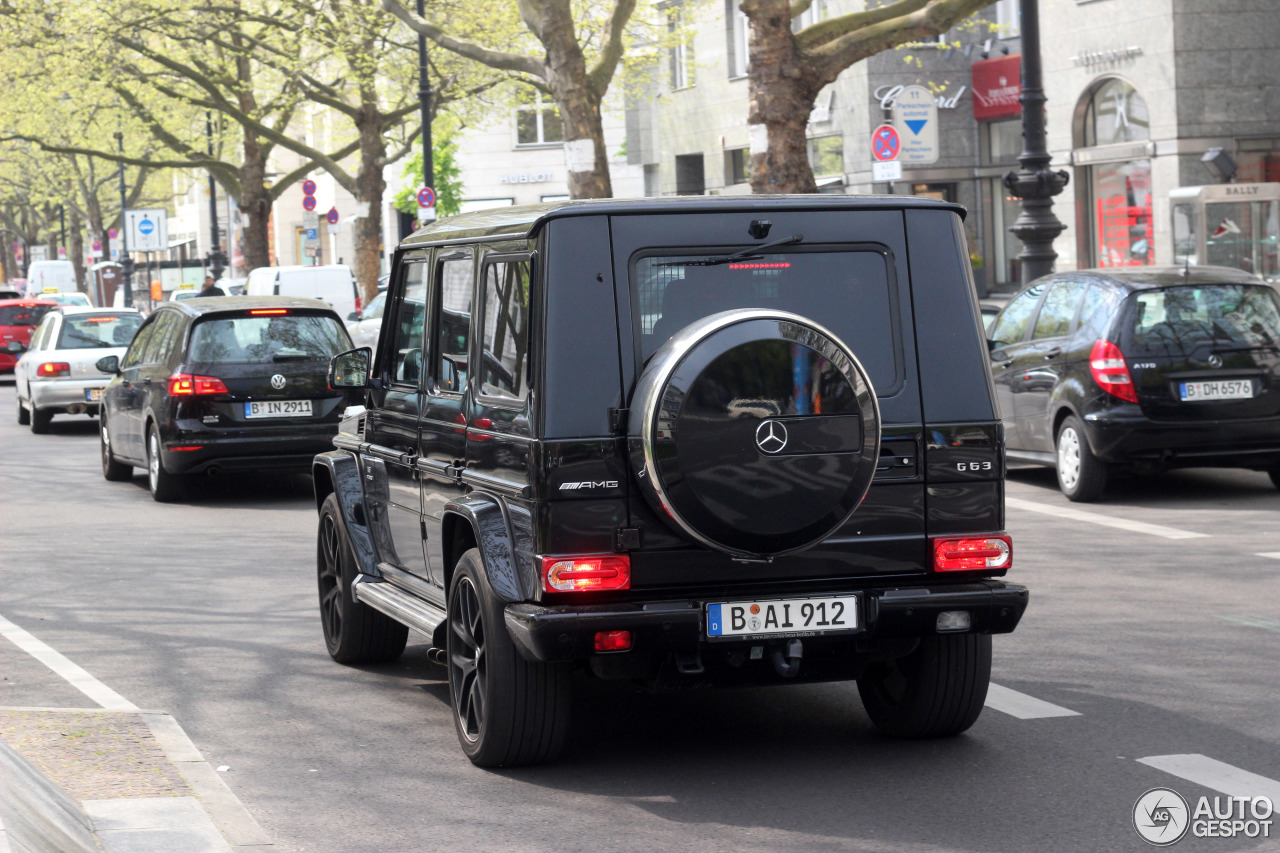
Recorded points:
126,264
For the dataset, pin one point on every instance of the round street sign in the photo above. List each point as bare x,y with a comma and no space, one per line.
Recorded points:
308,202
885,143
426,197
308,188
332,216
111,234
146,226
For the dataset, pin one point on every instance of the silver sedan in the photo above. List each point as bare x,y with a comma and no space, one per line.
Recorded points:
58,373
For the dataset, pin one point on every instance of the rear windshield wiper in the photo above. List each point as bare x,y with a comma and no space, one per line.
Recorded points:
744,255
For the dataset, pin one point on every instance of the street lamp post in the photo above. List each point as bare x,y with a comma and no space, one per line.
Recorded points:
1035,184
424,98
216,263
126,262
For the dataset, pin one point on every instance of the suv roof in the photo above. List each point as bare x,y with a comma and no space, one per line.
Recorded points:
202,305
524,220
1142,278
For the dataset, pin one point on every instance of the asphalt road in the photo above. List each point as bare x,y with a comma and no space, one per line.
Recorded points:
1144,639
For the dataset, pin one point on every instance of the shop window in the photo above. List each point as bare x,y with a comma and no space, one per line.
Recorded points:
1008,22
941,192
826,155
1121,210
737,166
690,179
1114,112
538,120
1001,142
736,34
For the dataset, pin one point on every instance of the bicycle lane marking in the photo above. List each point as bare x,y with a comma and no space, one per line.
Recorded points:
1103,520
74,675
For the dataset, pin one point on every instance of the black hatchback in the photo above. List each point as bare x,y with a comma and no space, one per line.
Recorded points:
222,384
1140,369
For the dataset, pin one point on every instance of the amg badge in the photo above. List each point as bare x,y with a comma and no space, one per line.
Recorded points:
589,484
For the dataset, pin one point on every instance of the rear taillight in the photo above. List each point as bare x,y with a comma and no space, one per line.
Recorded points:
612,641
586,574
273,311
53,368
359,304
1106,363
186,385
973,555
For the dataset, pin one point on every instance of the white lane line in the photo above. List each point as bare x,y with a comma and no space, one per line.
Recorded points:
1273,555
1022,706
1104,520
68,671
1254,621
1215,775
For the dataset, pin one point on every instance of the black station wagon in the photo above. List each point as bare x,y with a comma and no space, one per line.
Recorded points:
674,442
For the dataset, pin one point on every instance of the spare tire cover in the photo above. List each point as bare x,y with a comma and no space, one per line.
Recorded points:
754,432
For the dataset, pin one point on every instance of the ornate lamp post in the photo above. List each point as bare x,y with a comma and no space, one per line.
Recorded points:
424,97
126,262
1035,184
217,261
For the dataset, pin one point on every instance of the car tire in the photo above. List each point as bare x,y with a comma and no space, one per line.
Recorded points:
353,632
165,487
24,417
112,470
1082,477
936,691
40,420
508,711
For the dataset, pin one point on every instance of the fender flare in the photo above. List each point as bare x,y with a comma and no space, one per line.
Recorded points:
503,535
338,473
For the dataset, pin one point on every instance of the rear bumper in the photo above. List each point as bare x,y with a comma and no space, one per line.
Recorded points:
59,394
562,633
1136,439
246,454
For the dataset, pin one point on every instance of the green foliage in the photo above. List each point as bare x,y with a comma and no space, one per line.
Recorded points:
444,165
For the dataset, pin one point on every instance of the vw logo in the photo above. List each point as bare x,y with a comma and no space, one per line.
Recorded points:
1215,360
277,381
771,437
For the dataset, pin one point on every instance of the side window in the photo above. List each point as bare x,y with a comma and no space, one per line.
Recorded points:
453,325
504,358
157,344
1011,326
133,356
44,332
1095,312
1059,309
404,357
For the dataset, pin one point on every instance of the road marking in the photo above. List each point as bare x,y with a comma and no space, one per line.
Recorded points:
1216,775
1254,621
1022,706
1274,555
68,671
1104,520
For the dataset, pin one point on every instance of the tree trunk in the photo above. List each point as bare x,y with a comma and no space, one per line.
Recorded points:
781,87
7,260
369,189
255,200
586,160
76,248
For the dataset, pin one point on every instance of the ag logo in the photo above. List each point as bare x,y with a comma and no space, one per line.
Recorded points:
1161,816
771,437
277,381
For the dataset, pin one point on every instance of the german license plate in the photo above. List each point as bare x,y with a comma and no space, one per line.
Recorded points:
93,395
791,617
277,409
1222,389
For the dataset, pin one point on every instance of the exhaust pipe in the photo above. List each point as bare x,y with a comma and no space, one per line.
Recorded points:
77,409
212,471
788,665
437,656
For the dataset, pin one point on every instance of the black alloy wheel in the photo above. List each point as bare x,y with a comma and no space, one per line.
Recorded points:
353,632
24,417
508,711
112,469
165,487
936,691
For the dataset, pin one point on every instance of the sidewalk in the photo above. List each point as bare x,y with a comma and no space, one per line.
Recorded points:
119,781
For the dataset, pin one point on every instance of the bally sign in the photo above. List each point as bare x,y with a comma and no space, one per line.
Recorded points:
997,85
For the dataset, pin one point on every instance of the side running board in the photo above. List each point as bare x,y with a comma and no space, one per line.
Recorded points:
401,606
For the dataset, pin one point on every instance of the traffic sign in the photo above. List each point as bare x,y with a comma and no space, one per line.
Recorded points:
426,197
915,115
147,229
112,234
885,143
308,187
309,202
332,216
889,170
313,234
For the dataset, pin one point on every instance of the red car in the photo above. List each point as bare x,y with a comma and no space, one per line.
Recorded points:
18,319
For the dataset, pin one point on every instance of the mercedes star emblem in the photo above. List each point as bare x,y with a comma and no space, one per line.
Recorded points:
277,381
1215,360
771,437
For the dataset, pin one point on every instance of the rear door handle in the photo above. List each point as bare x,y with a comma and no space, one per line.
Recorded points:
1053,353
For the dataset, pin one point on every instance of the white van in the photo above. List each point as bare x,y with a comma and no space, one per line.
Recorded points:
50,277
332,283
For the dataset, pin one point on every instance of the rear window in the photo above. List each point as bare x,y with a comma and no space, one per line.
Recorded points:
1176,320
259,338
847,291
20,315
98,330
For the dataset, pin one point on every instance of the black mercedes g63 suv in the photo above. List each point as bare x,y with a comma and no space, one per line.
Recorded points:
674,441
